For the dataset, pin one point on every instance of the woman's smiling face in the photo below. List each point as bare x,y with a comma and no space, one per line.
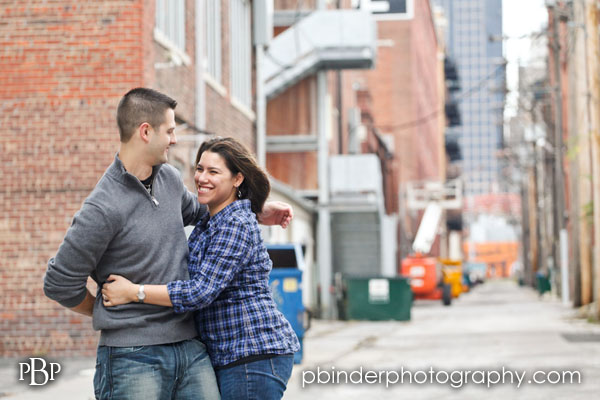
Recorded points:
216,185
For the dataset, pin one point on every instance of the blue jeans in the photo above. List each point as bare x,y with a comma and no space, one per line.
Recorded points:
264,379
171,371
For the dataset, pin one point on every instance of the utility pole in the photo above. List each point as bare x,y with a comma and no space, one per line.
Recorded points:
535,223
525,228
593,47
543,207
560,234
339,101
582,121
533,201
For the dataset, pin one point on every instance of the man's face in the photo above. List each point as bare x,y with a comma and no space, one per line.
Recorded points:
161,138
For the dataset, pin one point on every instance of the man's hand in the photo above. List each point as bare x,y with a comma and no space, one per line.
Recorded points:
276,213
92,286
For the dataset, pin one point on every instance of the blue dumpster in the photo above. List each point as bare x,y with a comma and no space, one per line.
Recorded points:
285,286
285,281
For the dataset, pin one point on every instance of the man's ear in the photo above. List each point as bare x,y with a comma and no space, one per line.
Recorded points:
144,132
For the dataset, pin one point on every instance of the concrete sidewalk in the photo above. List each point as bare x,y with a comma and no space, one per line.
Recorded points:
497,325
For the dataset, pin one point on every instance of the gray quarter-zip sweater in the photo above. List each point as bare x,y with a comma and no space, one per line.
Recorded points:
122,229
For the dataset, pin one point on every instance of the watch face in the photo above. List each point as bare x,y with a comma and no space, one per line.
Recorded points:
141,294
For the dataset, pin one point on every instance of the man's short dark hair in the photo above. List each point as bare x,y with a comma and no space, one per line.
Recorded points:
141,105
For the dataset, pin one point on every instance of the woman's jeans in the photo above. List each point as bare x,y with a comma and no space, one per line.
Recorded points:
263,379
172,371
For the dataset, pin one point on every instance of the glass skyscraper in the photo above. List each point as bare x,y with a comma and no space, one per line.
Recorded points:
474,41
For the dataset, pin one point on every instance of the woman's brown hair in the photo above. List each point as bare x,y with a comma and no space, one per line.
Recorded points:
256,186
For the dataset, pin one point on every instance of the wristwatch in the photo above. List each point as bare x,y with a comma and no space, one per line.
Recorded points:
141,295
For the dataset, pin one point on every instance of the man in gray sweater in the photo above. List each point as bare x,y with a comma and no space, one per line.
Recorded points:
132,224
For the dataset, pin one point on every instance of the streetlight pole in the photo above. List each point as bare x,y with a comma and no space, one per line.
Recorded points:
324,256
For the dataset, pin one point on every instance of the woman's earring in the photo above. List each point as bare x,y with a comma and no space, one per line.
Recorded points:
239,194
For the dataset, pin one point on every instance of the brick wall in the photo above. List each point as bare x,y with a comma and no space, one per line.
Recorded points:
406,103
427,94
295,4
404,86
222,117
179,82
294,113
64,66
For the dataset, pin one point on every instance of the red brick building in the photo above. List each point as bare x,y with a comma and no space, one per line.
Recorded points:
400,106
401,102
407,103
63,68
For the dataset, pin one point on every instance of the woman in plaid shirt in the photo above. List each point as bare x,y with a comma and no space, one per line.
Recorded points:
250,343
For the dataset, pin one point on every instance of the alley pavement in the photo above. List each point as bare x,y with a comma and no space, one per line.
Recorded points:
497,325
488,344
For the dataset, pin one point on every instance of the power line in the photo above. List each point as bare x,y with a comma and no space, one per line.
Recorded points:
464,95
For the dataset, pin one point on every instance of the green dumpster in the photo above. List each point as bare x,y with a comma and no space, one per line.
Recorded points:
378,298
543,282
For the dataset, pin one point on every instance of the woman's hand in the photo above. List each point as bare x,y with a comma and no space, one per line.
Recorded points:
118,290
276,213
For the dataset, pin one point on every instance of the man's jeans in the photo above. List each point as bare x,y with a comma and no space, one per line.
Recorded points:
172,371
264,379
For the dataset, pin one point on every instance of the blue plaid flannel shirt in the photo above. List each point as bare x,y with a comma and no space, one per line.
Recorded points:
229,286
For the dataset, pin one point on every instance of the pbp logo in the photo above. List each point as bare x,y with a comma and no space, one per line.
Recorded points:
41,371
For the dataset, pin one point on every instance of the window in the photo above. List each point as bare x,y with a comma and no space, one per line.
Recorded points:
213,38
390,9
170,23
241,52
